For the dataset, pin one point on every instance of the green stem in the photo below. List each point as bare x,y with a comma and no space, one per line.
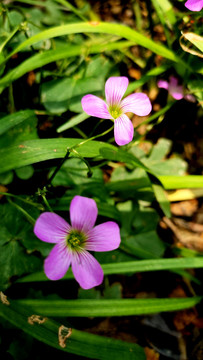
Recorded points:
11,99
69,150
46,202
96,126
9,38
89,173
138,15
58,167
23,211
27,36
80,132
39,206
157,114
93,137
72,8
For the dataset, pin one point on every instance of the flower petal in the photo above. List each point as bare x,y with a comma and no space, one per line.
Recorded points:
94,106
115,88
173,81
58,262
162,84
87,271
138,104
51,227
176,93
174,89
194,5
104,237
83,213
123,130
190,97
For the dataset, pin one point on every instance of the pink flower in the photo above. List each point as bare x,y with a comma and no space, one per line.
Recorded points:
194,5
115,108
73,241
175,90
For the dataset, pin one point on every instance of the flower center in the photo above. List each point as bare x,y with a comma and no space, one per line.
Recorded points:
115,111
76,240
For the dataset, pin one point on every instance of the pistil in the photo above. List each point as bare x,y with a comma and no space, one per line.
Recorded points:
76,240
115,111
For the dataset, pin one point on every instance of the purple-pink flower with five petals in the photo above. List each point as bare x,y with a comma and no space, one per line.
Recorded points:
115,108
194,5
174,89
73,242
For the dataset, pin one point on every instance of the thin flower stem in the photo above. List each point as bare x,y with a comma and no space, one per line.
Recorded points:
80,132
72,8
93,138
157,114
23,211
89,173
24,29
9,38
69,150
39,206
46,202
96,126
11,99
58,167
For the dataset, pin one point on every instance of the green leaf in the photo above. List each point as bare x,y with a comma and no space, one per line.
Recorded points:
2,58
167,18
181,182
34,151
15,262
14,259
6,178
106,307
15,18
160,150
144,245
80,343
22,127
128,180
74,172
161,198
9,121
62,94
93,190
145,219
174,165
113,292
75,120
157,161
95,65
145,78
89,294
195,87
100,27
121,156
165,12
25,172
49,56
156,185
131,267
110,292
